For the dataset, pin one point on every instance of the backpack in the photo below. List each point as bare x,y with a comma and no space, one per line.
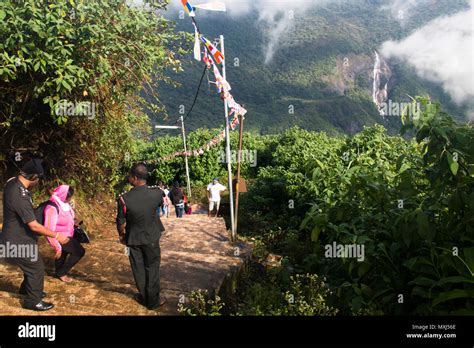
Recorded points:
39,211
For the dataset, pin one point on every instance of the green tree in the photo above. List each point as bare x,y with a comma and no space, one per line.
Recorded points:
107,56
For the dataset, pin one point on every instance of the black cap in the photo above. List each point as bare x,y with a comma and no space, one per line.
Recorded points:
33,166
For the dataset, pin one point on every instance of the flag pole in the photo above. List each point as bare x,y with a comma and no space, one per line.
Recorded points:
186,157
227,139
239,157
188,182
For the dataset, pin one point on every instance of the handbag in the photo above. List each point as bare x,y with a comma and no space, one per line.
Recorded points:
81,236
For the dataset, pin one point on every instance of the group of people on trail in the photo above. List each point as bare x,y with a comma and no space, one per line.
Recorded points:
138,224
175,197
179,200
21,229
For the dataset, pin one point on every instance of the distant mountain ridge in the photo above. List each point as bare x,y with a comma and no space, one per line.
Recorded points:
320,77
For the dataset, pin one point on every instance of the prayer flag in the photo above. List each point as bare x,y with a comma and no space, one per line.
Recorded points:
218,56
221,83
189,9
197,45
235,121
207,60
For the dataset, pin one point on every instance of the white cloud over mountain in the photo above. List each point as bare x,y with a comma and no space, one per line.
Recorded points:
441,51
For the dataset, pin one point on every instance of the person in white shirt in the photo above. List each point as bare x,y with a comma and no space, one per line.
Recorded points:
214,190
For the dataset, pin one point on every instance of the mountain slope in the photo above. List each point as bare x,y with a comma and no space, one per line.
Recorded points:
322,69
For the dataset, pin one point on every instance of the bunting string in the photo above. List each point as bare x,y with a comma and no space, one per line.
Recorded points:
223,87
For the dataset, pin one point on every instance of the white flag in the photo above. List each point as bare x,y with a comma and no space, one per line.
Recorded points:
212,6
197,45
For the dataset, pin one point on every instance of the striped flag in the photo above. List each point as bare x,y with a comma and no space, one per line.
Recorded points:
218,56
189,9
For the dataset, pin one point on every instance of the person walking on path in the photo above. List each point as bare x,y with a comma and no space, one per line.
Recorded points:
140,229
165,208
166,201
214,190
21,230
177,198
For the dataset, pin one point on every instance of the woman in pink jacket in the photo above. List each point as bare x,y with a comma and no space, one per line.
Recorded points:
59,217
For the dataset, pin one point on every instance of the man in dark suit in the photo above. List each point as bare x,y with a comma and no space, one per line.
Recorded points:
139,228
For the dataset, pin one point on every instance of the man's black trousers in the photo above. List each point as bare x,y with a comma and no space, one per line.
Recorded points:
33,279
145,263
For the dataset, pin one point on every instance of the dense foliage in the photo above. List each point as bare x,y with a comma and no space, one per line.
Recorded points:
299,295
210,164
96,55
410,204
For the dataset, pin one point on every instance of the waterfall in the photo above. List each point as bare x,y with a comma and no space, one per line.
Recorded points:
381,72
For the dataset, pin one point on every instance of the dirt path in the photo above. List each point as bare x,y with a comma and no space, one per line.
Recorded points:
196,254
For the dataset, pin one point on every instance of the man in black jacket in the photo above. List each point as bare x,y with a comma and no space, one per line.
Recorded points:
139,228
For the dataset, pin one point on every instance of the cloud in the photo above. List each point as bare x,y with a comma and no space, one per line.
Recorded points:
442,51
470,114
275,23
276,19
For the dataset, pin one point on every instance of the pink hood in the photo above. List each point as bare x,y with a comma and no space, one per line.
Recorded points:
61,192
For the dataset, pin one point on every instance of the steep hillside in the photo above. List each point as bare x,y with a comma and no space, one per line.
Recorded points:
322,69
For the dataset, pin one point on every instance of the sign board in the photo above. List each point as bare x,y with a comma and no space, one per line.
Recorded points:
242,185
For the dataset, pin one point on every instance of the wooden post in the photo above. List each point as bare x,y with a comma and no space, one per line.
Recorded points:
239,157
